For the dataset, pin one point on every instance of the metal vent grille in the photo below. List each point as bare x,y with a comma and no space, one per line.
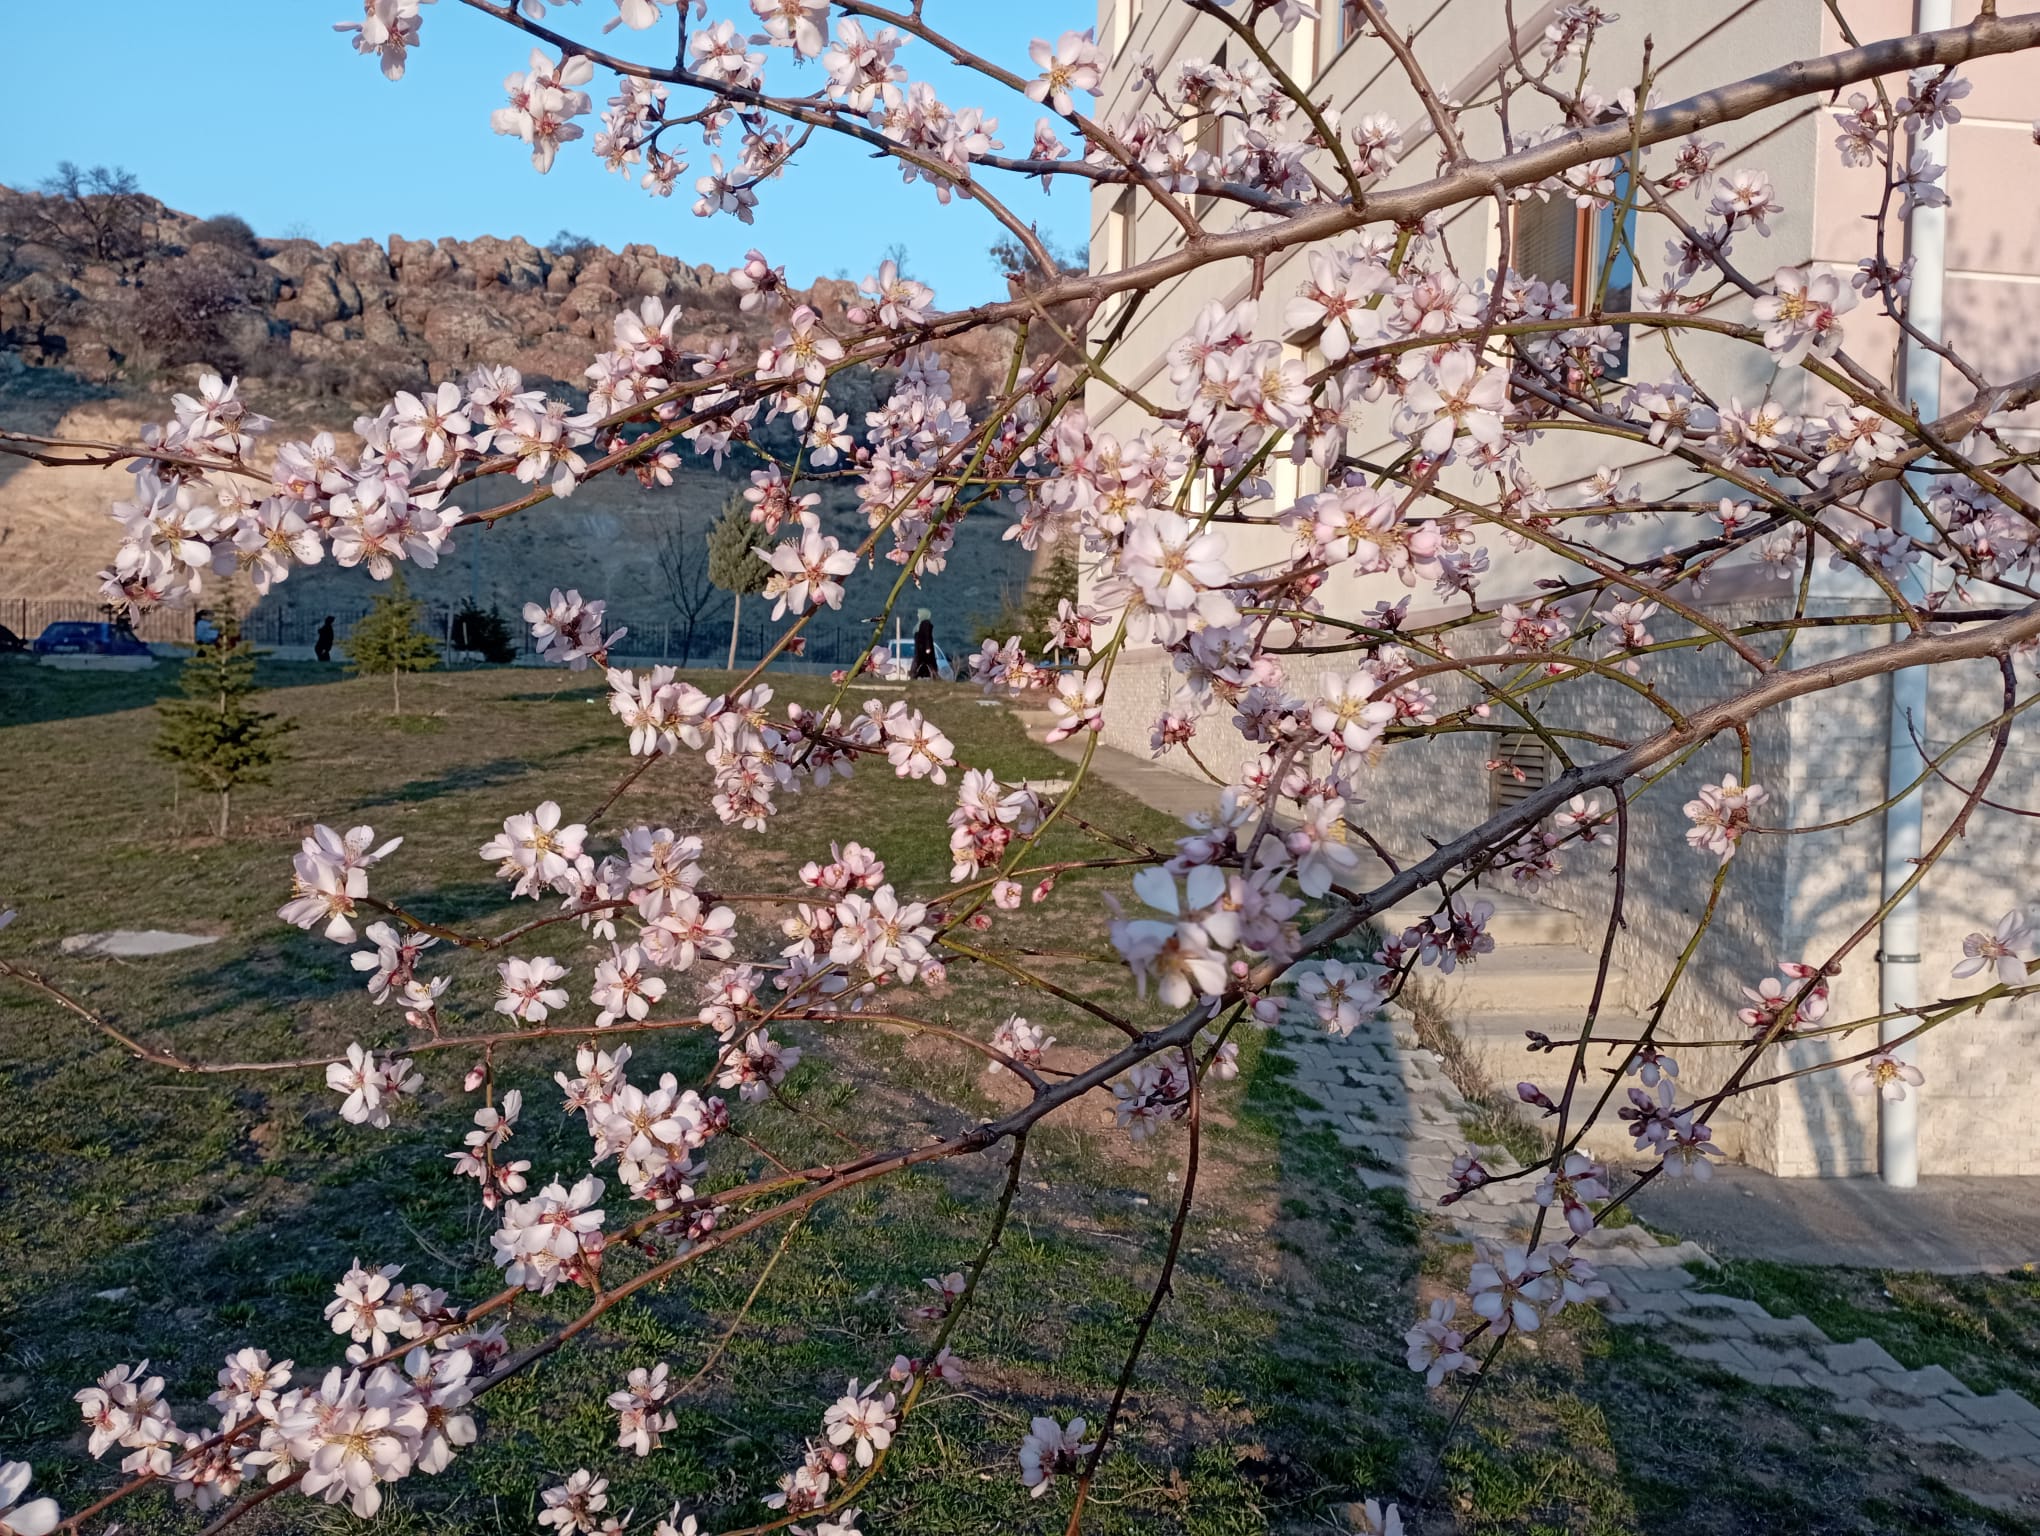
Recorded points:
1522,768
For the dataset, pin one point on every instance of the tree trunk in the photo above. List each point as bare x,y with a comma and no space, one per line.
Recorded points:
396,699
736,618
224,794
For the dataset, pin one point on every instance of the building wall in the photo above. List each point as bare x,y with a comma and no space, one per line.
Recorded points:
1790,898
1992,292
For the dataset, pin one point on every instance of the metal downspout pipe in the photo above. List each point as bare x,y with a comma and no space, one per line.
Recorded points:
1898,1153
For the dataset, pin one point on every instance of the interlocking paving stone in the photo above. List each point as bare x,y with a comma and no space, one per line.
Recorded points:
1794,1327
2007,1443
1730,1327
1391,1099
1784,1377
1923,1418
1998,1408
1862,1355
1722,1352
1927,1381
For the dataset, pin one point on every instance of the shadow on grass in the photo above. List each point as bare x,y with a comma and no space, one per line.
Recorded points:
31,694
483,775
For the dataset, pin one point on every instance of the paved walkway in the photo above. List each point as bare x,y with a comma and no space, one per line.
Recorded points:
1948,1225
1171,793
1386,1097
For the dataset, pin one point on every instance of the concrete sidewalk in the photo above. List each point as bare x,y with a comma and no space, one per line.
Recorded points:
1948,1225
1171,793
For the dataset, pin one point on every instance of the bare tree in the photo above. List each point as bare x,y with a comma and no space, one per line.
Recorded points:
99,214
683,562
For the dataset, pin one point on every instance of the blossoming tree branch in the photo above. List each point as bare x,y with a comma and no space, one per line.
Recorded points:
1266,904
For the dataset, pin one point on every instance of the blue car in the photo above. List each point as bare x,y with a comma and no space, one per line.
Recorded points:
89,638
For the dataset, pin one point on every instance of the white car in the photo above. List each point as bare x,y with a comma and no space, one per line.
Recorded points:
899,661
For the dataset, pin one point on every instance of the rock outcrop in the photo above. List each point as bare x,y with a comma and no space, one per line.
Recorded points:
352,320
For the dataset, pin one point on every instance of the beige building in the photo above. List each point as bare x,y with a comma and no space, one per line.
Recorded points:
1791,899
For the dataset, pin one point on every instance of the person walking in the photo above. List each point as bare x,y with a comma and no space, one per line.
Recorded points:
323,646
924,647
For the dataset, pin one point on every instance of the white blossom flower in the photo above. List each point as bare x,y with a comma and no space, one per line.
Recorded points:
20,1515
865,1421
526,991
1887,1077
1074,63
572,1507
1721,815
1802,314
1049,1449
2006,952
640,1408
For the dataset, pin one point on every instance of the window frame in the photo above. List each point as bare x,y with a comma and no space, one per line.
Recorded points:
1339,28
1202,203
1594,234
1123,223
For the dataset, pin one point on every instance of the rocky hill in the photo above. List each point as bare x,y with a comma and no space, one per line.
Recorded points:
168,289
109,301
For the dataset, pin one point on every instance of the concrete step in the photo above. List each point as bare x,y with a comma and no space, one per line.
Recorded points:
1517,920
1506,1035
1553,979
1501,1047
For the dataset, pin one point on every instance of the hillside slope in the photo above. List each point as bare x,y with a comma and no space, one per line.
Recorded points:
96,332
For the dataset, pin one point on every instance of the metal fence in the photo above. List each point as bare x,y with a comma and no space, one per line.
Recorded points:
30,616
281,624
828,642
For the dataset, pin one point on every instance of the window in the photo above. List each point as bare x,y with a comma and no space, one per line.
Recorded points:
1211,138
1621,265
1119,253
1124,14
1289,480
1522,768
1556,242
1550,240
1338,23
1119,227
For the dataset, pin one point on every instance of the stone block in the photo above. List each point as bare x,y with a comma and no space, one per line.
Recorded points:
1927,1381
1722,1352
1663,1281
1860,1355
1794,1327
1999,1408
1783,1377
1922,1420
1764,1358
2008,1442
1729,1327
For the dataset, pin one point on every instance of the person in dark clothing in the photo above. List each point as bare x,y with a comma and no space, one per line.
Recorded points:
323,646
924,648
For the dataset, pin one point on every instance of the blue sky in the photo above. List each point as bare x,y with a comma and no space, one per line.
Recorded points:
257,107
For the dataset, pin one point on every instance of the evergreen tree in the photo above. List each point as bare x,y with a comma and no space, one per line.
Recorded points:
389,639
1054,584
732,565
1031,616
214,735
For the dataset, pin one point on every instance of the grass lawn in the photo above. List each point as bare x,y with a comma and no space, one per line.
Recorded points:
144,1214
